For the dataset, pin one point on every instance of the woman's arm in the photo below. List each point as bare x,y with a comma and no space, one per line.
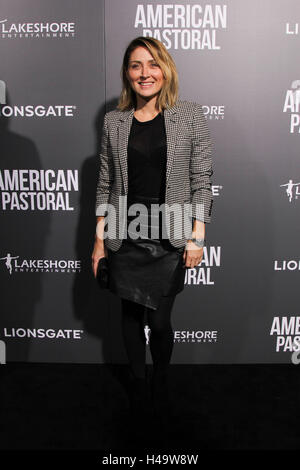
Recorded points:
201,193
104,185
106,173
198,229
201,168
100,223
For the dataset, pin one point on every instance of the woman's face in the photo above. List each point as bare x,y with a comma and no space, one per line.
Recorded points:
144,74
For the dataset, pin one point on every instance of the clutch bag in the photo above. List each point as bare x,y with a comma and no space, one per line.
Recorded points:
102,273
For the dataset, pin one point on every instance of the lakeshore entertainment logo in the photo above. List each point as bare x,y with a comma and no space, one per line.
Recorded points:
292,190
42,333
214,112
195,336
33,189
32,110
187,336
14,264
287,332
147,331
183,27
292,105
37,30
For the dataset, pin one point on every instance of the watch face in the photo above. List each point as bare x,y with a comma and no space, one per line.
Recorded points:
198,242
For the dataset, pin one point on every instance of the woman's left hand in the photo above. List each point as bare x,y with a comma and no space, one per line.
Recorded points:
192,255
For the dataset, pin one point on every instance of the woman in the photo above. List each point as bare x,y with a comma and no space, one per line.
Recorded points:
155,150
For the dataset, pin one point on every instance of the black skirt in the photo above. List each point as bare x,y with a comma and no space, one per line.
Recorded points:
145,269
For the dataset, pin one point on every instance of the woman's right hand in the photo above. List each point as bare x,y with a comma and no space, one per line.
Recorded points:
100,251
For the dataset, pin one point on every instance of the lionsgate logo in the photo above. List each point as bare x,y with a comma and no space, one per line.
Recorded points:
38,30
2,352
42,333
292,29
15,264
33,110
195,336
183,27
287,265
292,105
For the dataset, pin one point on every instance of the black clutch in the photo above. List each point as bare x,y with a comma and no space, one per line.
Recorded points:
102,273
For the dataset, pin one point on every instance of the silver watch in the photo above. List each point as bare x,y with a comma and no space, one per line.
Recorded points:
200,242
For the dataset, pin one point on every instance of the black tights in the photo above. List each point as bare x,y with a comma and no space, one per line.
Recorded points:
161,336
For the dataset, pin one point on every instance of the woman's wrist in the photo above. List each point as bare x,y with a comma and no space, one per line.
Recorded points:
199,242
198,230
99,241
99,230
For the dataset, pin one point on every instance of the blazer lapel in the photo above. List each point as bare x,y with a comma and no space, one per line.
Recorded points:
171,126
123,135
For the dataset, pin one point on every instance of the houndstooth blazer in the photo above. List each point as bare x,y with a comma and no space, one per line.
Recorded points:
188,169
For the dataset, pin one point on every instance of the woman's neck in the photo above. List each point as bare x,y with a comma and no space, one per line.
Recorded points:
146,109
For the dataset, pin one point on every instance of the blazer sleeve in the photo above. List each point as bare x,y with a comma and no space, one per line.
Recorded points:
201,168
106,172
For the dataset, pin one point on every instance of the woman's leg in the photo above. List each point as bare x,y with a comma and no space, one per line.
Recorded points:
161,346
134,336
162,336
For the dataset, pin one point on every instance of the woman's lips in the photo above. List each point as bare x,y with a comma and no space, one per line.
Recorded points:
145,85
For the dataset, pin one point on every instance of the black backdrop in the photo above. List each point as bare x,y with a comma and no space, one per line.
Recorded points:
60,71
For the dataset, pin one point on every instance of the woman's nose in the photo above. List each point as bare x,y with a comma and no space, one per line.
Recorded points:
145,72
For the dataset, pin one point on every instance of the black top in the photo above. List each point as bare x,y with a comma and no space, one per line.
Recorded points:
146,268
147,156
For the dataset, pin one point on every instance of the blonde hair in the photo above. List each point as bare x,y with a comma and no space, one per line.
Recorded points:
168,94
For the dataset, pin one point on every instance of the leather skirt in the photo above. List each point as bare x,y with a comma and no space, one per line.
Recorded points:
146,268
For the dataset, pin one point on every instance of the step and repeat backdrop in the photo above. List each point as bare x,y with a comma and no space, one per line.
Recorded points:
60,72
